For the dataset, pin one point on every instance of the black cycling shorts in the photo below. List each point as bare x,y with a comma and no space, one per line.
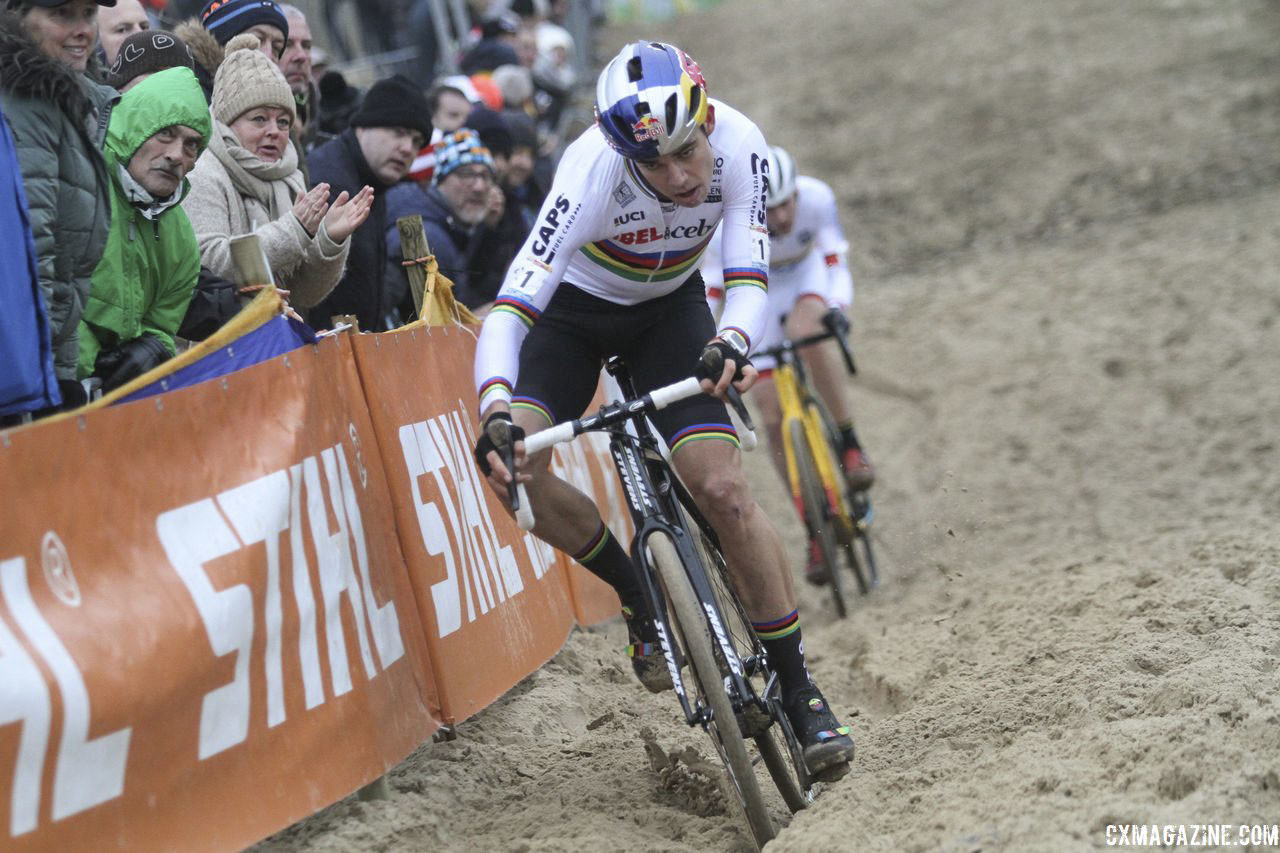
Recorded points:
660,340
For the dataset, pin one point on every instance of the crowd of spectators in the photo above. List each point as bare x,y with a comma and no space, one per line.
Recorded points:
139,144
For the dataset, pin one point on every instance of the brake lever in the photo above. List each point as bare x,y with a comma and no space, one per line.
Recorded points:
838,330
741,419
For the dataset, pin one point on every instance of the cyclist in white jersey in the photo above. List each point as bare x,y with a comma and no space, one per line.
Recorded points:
809,287
611,268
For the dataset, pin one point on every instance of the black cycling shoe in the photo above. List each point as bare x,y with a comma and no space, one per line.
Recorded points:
828,748
645,651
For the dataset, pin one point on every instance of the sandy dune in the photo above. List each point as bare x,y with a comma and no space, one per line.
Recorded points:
1066,229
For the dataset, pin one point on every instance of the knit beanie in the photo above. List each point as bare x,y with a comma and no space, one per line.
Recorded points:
246,80
147,52
459,149
394,102
493,130
226,19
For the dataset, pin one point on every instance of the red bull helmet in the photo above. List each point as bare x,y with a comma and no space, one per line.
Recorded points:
650,99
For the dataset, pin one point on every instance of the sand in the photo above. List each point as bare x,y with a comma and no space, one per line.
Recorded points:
1065,220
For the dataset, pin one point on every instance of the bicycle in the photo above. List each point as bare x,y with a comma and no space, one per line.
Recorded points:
718,665
836,516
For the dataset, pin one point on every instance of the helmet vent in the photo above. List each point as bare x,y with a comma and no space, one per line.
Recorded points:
695,100
622,128
672,106
635,69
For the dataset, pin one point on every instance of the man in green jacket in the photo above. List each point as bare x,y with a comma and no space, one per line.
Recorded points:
144,281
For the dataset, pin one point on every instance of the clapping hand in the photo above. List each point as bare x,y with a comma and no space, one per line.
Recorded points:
311,207
347,213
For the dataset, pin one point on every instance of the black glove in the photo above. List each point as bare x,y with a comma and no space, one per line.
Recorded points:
499,434
837,322
128,361
711,362
73,394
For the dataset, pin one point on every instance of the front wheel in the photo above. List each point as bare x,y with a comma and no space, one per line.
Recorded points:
817,513
691,631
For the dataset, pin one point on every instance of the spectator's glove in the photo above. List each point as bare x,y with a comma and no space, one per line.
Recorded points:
73,394
836,322
711,362
128,361
499,434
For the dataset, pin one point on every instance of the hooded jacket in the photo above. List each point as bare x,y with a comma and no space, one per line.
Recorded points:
146,276
59,122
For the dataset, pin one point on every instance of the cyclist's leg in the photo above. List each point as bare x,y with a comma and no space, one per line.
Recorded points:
831,379
764,395
826,368
705,453
559,370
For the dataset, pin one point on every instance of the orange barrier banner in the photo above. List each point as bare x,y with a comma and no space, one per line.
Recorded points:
494,600
586,463
207,630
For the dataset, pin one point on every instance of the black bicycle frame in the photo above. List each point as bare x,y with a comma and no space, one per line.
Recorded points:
654,497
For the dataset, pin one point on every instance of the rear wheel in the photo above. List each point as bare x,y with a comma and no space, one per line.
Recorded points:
817,513
691,632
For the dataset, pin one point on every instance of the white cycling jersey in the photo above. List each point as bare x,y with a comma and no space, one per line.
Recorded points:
604,230
810,260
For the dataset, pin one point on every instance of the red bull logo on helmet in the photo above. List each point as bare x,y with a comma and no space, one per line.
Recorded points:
648,127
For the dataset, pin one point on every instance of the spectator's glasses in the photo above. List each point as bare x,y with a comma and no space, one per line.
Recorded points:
471,176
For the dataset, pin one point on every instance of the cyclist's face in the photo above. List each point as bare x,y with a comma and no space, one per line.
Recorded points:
685,175
782,218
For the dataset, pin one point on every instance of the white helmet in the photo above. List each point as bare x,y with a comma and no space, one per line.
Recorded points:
782,177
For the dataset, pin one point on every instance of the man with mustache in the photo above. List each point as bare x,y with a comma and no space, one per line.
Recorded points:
141,287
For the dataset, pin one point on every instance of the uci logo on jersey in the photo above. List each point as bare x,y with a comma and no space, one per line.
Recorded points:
548,230
648,127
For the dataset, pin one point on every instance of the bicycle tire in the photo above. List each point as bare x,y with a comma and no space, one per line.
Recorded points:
868,559
689,625
816,508
854,509
785,760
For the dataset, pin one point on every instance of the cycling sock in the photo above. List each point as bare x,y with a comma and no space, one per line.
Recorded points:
849,437
782,642
606,559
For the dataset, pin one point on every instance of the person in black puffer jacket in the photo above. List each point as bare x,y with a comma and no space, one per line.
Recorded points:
59,121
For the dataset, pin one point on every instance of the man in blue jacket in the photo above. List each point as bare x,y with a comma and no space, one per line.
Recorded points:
456,207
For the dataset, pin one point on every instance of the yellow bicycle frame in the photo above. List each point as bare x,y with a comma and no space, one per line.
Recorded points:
791,405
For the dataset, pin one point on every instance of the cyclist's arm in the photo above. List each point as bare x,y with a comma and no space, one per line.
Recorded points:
713,275
745,240
564,225
834,248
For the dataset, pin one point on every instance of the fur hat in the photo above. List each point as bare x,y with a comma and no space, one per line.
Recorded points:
246,80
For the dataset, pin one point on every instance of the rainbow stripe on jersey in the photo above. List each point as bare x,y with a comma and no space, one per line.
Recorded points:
644,266
518,308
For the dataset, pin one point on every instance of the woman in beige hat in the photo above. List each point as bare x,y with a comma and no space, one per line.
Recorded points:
248,180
